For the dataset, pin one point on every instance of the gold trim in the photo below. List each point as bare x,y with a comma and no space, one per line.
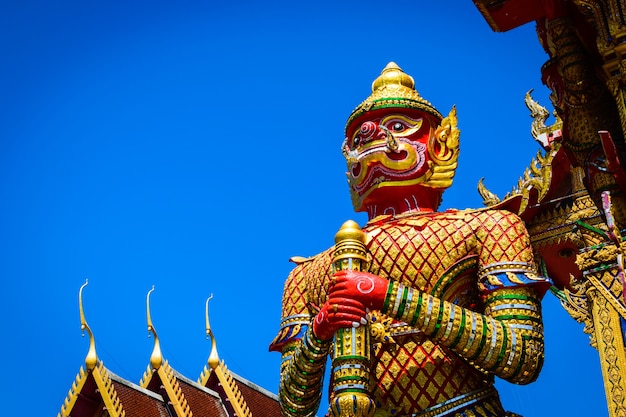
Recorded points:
610,346
107,391
108,394
72,395
232,391
174,392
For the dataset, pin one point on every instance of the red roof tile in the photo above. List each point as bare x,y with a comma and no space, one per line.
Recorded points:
202,401
137,401
261,402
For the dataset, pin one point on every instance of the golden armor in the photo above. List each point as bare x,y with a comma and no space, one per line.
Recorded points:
450,298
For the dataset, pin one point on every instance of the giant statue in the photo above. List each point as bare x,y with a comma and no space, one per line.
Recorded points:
448,300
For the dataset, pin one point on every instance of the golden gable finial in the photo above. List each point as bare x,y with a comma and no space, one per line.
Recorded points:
156,358
225,379
92,358
213,356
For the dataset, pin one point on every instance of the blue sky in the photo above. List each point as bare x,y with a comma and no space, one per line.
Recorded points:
195,146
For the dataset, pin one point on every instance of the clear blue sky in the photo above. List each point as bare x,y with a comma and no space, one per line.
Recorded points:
196,146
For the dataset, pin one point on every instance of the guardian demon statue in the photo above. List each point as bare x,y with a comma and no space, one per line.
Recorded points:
449,299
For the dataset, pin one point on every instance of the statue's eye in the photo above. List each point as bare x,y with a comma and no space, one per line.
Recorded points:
357,141
397,127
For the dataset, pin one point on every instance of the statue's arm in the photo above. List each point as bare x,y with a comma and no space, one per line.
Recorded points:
301,375
505,336
303,354
506,339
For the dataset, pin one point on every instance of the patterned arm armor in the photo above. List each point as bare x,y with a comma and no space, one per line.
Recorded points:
302,373
507,339
303,355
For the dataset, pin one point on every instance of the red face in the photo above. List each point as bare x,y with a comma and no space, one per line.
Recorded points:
387,155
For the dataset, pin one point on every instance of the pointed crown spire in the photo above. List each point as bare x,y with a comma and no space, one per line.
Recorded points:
393,77
393,88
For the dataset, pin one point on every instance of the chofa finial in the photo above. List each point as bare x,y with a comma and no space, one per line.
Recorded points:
92,358
213,356
156,358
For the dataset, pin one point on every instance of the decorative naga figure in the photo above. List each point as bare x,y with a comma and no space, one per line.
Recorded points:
449,299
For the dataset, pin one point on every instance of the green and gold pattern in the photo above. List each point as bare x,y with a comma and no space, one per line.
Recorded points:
449,334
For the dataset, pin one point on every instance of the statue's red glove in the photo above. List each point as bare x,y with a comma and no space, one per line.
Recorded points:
350,295
369,289
338,313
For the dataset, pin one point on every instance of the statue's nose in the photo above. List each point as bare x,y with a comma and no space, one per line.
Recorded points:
368,132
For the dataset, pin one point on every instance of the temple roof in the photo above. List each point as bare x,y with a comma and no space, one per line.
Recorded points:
259,401
503,15
163,391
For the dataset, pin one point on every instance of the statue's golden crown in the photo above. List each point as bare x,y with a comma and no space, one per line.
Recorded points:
393,88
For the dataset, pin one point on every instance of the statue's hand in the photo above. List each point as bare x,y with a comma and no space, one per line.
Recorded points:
369,289
337,313
350,295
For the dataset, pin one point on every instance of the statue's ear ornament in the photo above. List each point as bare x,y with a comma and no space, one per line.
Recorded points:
444,151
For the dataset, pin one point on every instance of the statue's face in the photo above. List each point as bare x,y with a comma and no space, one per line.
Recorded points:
387,154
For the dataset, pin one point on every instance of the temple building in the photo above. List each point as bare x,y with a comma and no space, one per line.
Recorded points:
163,391
572,200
